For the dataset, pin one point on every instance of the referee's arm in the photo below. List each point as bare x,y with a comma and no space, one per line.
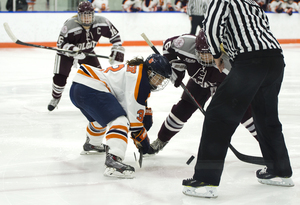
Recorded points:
214,25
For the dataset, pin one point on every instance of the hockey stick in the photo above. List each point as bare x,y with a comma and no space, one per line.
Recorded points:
17,41
240,156
140,160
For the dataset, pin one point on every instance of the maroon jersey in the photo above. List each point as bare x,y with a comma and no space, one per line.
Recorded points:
182,49
72,33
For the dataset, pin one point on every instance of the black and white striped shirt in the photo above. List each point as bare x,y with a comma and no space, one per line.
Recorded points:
241,25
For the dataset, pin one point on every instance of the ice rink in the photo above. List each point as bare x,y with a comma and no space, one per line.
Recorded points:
40,161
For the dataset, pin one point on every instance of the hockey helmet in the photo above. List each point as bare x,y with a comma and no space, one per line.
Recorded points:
86,13
159,71
203,53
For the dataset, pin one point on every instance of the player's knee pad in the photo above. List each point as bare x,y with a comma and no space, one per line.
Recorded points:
117,136
95,132
183,110
60,80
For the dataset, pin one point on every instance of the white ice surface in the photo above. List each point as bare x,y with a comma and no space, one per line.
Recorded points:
40,162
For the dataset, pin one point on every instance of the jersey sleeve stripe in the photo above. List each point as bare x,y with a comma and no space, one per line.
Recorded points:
90,70
138,81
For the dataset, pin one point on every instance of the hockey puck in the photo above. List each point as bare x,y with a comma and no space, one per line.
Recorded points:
190,160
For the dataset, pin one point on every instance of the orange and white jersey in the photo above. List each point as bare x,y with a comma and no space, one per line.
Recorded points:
290,4
100,5
129,84
149,5
129,5
164,4
275,4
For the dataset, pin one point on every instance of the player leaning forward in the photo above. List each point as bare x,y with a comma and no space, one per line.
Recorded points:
114,102
81,33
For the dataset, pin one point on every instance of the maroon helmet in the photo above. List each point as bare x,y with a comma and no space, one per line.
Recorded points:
201,44
203,53
86,13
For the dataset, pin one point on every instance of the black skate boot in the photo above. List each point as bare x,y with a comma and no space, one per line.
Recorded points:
156,146
115,168
270,179
192,187
53,103
89,149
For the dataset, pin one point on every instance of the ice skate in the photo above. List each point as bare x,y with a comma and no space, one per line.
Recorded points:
53,103
270,179
192,187
115,168
156,146
89,149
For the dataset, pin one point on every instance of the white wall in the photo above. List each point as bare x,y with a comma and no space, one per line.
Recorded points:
45,27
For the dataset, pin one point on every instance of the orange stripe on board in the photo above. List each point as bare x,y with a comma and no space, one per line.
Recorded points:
141,43
288,41
125,43
14,45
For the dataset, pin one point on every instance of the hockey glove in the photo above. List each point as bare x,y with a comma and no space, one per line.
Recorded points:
178,72
148,119
77,54
141,140
117,54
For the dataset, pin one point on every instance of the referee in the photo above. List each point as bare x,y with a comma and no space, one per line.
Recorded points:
196,9
255,78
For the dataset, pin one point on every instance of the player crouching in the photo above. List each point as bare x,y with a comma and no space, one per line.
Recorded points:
114,102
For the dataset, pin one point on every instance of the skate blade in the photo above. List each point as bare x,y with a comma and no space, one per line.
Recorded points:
277,181
91,153
204,192
112,172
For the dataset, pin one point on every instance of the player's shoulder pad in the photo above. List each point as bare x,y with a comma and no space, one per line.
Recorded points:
185,43
100,19
71,24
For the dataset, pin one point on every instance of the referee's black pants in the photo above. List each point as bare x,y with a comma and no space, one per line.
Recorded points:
254,78
195,22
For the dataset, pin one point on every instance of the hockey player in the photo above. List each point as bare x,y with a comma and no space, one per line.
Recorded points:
181,5
100,5
290,6
276,6
164,5
116,98
190,53
131,5
81,33
149,5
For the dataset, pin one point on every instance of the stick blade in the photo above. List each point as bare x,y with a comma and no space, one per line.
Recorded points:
139,161
9,32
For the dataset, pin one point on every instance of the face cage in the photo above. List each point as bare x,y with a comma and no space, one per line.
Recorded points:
86,18
157,81
205,58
